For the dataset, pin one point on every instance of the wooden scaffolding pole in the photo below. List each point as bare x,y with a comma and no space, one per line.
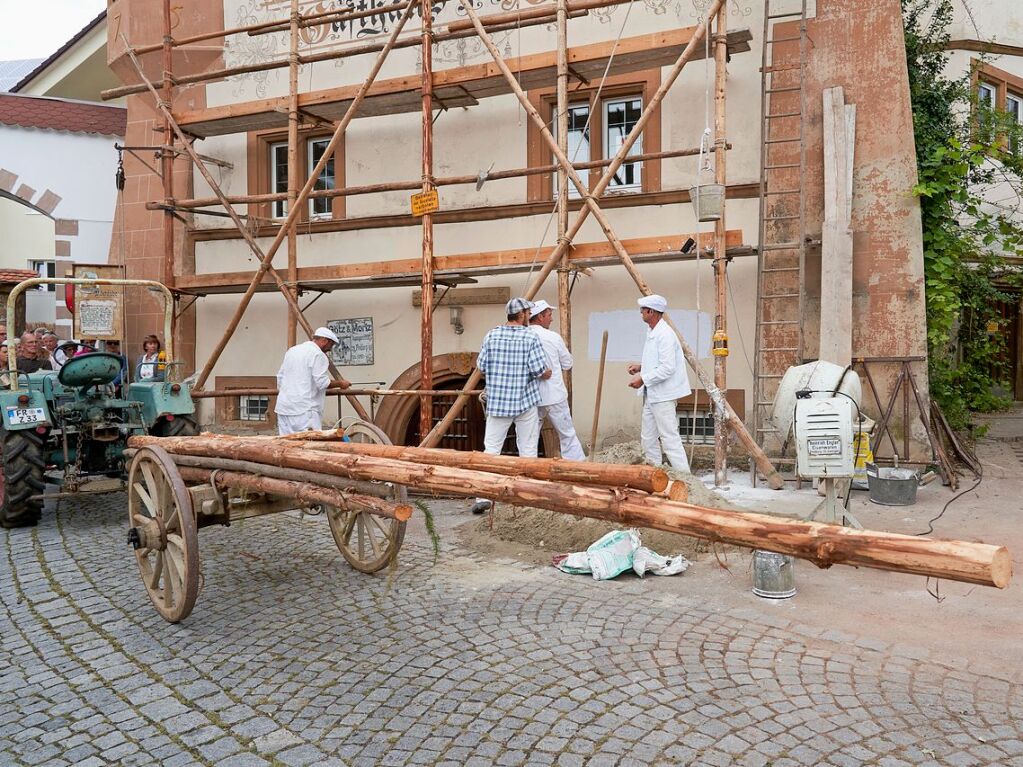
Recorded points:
564,292
426,324
720,258
438,181
293,171
554,259
499,22
164,108
167,155
266,259
726,413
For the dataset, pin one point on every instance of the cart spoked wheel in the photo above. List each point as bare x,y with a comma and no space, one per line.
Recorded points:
163,533
367,542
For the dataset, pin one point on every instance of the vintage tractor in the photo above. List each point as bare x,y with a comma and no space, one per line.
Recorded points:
63,426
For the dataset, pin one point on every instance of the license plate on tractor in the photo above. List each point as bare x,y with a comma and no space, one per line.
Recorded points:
17,416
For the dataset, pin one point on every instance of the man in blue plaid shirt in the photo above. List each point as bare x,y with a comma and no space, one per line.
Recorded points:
511,360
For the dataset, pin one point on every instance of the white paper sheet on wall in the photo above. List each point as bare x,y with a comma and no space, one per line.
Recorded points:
626,333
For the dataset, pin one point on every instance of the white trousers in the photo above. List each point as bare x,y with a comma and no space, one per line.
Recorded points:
527,434
292,424
660,432
561,419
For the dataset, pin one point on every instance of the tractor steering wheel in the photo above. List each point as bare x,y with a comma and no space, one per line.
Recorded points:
74,345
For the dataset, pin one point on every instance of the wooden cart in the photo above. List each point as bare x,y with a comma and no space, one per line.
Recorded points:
165,515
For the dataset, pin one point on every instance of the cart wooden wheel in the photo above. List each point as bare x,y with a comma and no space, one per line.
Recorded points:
163,533
366,541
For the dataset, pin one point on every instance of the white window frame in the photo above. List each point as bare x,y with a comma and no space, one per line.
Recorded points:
636,168
278,208
310,164
579,152
1012,98
987,94
37,265
258,404
704,425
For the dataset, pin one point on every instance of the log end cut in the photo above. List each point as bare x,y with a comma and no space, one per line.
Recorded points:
1001,568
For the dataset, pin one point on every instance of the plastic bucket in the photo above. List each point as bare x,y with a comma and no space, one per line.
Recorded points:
773,575
708,200
892,487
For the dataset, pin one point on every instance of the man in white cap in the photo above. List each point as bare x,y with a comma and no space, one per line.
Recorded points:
553,394
511,360
302,383
661,379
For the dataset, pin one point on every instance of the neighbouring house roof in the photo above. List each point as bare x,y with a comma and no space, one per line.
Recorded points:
45,63
13,71
61,114
14,276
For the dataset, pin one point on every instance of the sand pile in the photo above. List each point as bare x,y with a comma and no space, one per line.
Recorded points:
557,532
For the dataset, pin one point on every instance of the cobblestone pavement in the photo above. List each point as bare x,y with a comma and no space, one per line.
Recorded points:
292,658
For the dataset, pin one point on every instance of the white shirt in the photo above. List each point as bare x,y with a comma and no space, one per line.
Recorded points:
663,369
559,358
302,380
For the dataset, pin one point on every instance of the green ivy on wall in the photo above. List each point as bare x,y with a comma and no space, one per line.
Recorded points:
966,238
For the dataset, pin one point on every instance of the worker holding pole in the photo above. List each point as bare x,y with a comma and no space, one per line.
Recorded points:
512,361
302,384
553,392
661,380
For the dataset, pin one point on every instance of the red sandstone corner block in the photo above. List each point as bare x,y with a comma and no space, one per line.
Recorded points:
66,227
26,192
48,201
7,179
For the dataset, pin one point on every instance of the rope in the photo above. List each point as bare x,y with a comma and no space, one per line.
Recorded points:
586,127
704,165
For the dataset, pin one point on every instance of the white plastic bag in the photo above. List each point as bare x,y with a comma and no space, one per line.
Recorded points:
616,552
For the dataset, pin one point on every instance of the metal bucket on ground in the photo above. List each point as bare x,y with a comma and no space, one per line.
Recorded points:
773,575
892,487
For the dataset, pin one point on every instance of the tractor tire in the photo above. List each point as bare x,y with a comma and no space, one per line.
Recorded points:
181,426
23,466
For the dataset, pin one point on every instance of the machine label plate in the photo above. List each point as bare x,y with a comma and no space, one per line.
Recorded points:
17,416
824,446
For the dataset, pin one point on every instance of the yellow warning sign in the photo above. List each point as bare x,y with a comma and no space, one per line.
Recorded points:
992,327
425,202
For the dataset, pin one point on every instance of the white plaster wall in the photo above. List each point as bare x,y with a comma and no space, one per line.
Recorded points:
79,168
388,149
26,235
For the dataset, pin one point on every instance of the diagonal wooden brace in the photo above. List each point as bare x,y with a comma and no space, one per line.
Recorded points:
253,245
267,259
721,405
433,438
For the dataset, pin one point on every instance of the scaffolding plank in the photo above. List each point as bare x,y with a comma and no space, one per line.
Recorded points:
463,86
391,272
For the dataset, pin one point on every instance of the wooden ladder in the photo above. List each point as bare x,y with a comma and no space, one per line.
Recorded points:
781,254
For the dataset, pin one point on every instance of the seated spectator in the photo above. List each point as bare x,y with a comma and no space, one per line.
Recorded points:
28,355
113,346
152,364
56,357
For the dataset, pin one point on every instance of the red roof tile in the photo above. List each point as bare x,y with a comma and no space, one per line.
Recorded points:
61,114
14,276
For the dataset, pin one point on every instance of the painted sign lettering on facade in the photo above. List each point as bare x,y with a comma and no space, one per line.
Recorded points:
355,341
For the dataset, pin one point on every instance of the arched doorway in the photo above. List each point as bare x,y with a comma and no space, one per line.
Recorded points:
399,416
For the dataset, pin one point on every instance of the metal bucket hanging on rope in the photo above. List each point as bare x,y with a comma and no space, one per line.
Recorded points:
708,201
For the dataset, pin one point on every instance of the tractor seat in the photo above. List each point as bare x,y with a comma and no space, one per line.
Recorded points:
93,369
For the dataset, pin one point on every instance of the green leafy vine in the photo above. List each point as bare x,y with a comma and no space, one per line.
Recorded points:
964,150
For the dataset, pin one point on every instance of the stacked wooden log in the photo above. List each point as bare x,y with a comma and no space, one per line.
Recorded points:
628,495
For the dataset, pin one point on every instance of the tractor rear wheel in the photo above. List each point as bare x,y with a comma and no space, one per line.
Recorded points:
181,426
23,466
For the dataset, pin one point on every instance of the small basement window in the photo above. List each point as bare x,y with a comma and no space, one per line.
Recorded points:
704,422
253,407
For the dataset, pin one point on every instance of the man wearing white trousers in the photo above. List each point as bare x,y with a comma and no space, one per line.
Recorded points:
661,380
553,394
302,384
511,360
